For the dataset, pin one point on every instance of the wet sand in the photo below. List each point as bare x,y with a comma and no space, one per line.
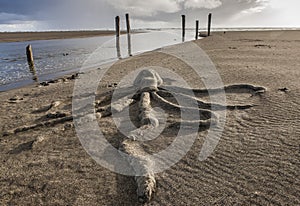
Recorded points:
256,162
30,36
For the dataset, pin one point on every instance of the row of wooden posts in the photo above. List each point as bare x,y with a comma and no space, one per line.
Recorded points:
118,32
128,28
197,27
117,21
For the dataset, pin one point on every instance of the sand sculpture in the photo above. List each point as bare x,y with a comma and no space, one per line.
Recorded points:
149,88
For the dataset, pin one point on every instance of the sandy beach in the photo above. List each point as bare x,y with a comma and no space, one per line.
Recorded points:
30,36
256,162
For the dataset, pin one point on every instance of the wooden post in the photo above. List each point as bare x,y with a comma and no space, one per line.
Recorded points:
128,34
197,29
209,24
127,23
31,62
29,55
117,20
183,27
117,26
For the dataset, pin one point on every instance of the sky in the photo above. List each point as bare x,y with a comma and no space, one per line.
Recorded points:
43,15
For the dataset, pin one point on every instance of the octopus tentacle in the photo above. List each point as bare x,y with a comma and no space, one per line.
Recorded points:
119,93
203,112
205,105
138,159
235,88
115,106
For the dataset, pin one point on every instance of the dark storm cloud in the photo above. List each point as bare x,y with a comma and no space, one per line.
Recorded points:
58,14
19,7
8,18
31,9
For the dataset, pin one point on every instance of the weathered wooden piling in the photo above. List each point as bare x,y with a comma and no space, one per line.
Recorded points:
209,24
29,55
30,61
128,33
183,27
197,29
117,22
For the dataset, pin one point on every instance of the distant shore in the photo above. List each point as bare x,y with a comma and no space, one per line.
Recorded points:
48,35
30,36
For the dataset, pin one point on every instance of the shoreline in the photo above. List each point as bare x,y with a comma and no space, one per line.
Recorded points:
85,34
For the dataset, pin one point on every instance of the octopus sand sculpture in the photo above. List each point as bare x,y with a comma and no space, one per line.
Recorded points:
149,88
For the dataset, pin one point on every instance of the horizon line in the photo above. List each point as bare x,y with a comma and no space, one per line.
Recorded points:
162,28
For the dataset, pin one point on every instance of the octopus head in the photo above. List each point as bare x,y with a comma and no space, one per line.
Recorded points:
148,80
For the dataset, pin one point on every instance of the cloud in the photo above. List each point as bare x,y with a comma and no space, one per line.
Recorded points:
146,8
99,14
55,15
153,7
258,6
9,18
207,4
22,26
250,11
150,24
253,13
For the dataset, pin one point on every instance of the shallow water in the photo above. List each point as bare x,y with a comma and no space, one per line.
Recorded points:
54,58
